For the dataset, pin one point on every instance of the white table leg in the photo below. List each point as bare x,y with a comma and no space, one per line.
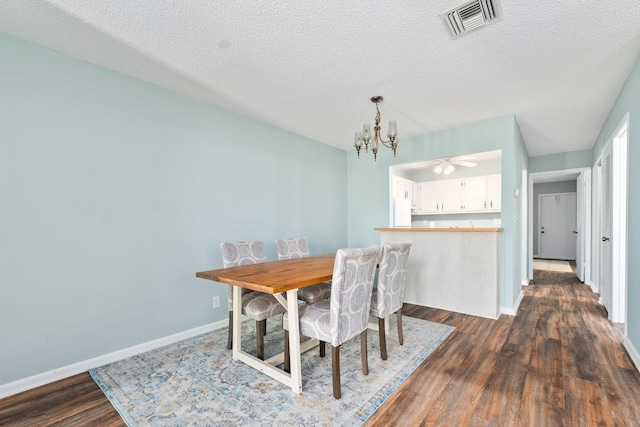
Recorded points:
237,321
294,341
294,379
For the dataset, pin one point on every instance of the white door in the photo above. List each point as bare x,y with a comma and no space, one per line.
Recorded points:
605,228
557,223
579,227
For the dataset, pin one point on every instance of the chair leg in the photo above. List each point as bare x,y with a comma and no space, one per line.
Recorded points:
400,339
287,354
260,325
383,338
335,371
230,338
322,348
363,352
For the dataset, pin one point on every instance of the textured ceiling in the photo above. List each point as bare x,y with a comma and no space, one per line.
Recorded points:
311,67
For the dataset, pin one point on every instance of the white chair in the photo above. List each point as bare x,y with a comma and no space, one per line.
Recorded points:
299,248
255,305
388,296
346,314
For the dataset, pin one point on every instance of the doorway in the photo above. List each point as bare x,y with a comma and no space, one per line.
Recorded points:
580,179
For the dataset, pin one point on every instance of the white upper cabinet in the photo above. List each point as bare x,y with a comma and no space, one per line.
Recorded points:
451,196
436,197
474,193
404,189
494,193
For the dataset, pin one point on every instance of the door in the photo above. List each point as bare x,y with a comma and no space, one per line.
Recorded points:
557,223
606,218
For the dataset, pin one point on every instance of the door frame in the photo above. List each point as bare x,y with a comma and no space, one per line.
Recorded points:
584,227
619,237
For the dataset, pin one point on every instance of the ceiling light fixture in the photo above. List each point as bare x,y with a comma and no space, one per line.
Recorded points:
444,166
375,140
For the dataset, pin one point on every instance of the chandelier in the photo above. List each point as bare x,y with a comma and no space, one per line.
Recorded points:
374,140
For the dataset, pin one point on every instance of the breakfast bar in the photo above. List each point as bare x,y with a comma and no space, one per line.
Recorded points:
454,269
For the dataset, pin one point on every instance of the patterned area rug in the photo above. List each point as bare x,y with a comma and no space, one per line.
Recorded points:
196,383
552,265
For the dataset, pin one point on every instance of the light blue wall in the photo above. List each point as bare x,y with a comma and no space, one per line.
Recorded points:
561,161
547,188
114,192
368,189
629,102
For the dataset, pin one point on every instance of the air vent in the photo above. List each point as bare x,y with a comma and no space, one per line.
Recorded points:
471,16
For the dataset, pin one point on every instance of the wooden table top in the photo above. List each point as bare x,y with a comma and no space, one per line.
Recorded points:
276,276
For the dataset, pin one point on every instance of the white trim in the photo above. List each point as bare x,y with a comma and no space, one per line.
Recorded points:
619,226
44,378
633,353
524,226
593,287
512,311
525,282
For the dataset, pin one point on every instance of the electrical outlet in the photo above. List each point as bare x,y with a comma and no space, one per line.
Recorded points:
215,302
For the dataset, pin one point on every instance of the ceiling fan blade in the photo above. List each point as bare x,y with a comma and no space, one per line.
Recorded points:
464,163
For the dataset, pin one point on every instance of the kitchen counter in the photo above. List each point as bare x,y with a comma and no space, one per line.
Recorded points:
453,269
442,229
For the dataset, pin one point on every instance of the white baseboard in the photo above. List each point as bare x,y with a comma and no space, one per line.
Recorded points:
512,311
633,353
80,367
593,287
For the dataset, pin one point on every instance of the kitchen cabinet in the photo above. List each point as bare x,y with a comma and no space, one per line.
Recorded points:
494,193
403,188
438,197
474,194
467,195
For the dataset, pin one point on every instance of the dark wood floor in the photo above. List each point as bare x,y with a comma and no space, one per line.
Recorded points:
559,362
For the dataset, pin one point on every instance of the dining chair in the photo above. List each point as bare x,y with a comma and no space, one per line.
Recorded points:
255,305
346,314
387,298
299,248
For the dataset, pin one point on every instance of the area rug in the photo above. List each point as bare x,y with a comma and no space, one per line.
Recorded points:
552,265
196,383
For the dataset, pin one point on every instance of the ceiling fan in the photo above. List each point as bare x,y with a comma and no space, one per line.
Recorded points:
448,165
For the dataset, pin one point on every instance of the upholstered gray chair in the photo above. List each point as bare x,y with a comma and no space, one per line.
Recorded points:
299,248
387,297
255,305
346,314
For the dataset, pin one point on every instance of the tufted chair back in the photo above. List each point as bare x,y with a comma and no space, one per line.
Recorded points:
352,283
241,253
292,248
391,278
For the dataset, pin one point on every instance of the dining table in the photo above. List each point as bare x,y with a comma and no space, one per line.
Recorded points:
278,278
